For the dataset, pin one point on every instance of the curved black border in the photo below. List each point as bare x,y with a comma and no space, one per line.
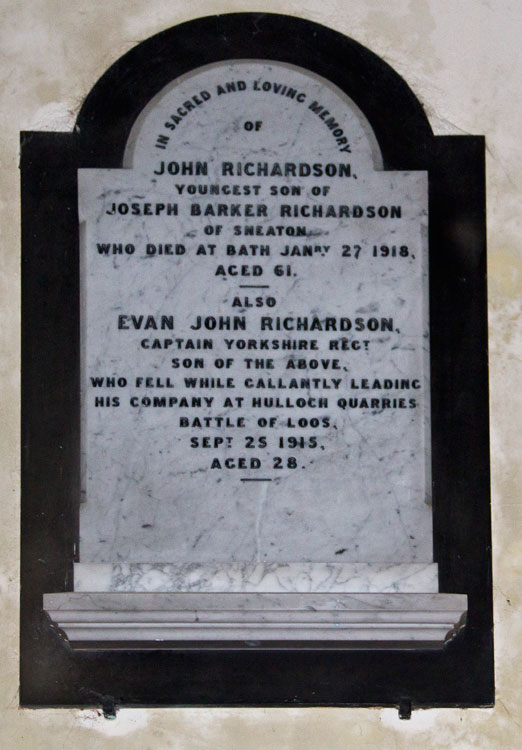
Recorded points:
52,674
109,111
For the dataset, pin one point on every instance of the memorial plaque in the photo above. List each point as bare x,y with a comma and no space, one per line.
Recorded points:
255,349
261,441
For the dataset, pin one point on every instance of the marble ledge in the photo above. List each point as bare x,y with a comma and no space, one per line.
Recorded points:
257,577
210,621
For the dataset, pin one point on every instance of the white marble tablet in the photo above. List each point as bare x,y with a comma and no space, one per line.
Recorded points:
255,346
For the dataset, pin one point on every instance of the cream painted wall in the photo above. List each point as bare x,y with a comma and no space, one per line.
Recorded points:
463,58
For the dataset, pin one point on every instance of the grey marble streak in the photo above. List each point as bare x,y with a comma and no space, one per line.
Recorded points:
289,577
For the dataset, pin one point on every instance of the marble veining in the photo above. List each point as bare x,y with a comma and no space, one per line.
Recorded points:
289,577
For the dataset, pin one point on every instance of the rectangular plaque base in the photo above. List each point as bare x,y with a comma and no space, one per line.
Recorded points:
257,620
296,577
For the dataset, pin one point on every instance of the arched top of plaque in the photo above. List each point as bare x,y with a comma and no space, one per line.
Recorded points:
124,105
262,108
